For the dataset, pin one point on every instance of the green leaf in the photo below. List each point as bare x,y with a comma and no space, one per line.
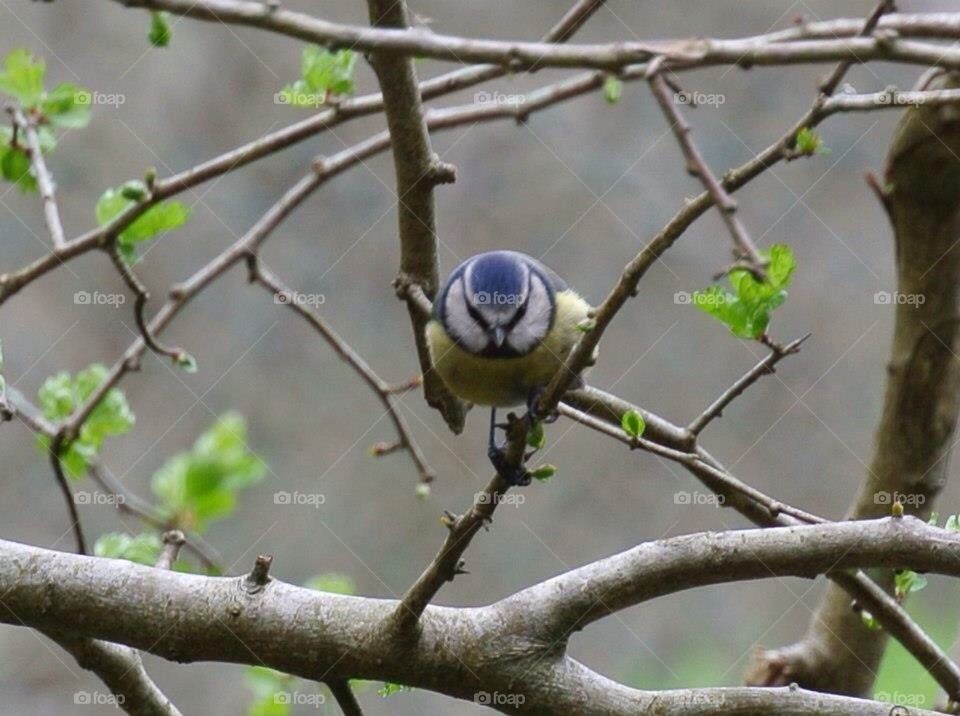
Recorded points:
15,167
536,438
808,143
332,582
612,89
389,689
269,687
907,581
543,472
158,219
66,106
61,394
952,524
22,77
323,73
199,486
144,548
747,310
160,32
633,424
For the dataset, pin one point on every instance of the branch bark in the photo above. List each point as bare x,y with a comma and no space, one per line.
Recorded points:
459,652
916,429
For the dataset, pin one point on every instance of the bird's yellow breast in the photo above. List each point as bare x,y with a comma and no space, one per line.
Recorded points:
507,381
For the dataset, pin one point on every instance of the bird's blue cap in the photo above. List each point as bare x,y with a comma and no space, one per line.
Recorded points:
498,280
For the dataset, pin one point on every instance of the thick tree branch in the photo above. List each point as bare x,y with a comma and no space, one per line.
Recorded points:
121,669
418,171
916,430
459,652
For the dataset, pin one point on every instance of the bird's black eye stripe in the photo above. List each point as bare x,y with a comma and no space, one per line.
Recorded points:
475,315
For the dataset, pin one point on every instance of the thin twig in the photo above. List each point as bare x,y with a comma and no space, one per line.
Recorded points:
56,447
263,276
136,506
764,367
346,699
744,248
142,296
45,183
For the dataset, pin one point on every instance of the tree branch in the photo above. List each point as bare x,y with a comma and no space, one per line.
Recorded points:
260,274
678,54
45,183
459,652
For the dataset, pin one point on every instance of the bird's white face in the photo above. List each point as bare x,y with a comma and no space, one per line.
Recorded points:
499,309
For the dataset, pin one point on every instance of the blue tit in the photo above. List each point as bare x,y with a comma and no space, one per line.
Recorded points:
503,324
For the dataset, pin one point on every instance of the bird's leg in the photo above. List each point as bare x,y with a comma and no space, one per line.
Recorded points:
513,476
533,400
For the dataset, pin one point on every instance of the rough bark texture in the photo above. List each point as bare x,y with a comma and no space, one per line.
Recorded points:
418,172
914,437
515,647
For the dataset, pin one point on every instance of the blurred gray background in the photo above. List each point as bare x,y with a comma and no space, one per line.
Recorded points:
584,185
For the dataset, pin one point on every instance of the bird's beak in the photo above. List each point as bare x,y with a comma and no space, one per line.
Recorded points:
499,336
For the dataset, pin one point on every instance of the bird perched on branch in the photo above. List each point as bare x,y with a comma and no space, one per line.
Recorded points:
503,324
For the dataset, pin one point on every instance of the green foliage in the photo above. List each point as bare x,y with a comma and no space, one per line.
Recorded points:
612,89
952,524
543,472
747,310
15,167
332,582
323,74
22,79
906,581
633,424
199,486
807,142
160,32
61,394
145,548
158,219
266,685
536,438
389,689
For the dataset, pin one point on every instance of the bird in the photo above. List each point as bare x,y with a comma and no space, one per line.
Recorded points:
502,326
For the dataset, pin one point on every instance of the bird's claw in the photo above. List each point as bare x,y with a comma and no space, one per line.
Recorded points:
514,476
